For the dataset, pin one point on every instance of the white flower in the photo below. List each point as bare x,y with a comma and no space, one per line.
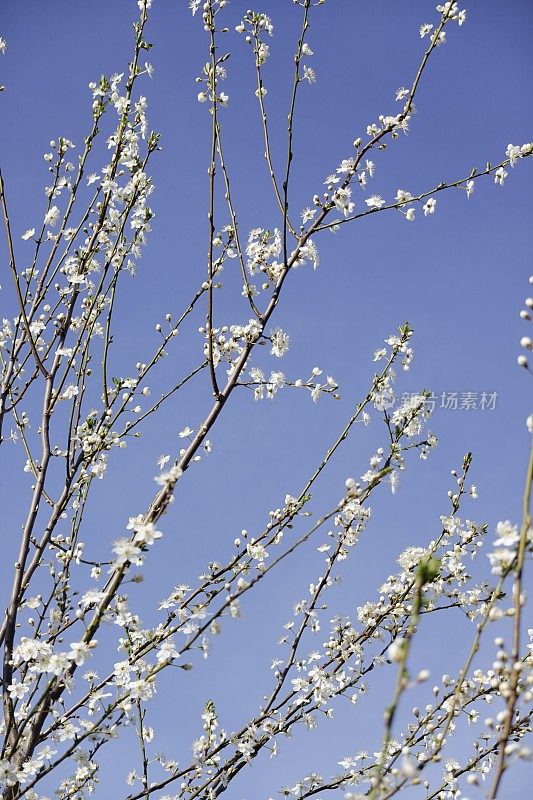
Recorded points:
167,651
513,153
308,214
126,551
202,97
500,560
276,380
306,50
17,690
57,664
425,29
383,399
98,469
403,196
429,206
7,773
67,731
256,551
51,217
500,176
70,392
370,167
410,214
280,342
395,650
309,74
316,393
263,51
409,766
331,179
375,201
147,534
341,199
91,598
507,533
141,689
346,165
80,651
63,352
28,234
162,460
171,476
185,432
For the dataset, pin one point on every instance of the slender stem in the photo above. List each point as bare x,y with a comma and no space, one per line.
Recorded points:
518,602
213,85
13,269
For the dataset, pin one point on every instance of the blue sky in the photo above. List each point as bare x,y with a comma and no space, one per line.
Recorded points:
459,277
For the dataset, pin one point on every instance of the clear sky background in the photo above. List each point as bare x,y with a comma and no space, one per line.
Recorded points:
459,276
